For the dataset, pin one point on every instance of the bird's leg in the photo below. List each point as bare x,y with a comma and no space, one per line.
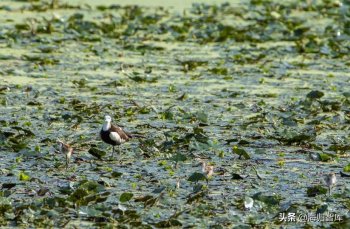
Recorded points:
113,152
67,162
329,190
119,153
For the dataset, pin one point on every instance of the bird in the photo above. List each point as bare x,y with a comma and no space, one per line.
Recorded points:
114,135
330,180
67,150
208,170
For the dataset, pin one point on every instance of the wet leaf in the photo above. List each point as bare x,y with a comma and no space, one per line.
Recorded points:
322,209
195,177
116,174
168,223
8,185
5,205
178,157
347,168
241,152
267,199
97,152
315,95
23,176
195,197
159,190
326,157
198,188
125,197
316,190
42,191
236,176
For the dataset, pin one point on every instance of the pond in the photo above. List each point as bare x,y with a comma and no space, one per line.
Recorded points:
258,91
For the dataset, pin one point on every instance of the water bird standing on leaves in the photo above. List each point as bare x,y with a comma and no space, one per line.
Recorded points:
67,150
113,134
208,170
330,180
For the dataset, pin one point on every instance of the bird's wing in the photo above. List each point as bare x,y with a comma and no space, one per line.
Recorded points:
64,145
116,137
122,134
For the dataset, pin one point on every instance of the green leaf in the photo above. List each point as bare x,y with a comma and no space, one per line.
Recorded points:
126,196
5,205
23,177
178,157
267,199
325,157
198,188
202,116
97,152
88,191
315,94
347,168
241,152
195,177
236,176
316,190
116,174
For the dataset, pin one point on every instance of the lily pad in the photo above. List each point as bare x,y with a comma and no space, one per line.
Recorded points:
97,152
125,197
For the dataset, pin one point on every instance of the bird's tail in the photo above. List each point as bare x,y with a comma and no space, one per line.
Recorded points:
135,135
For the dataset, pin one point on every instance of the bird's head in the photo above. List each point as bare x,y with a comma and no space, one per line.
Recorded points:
108,118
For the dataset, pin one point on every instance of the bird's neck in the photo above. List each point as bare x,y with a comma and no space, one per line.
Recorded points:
204,166
106,126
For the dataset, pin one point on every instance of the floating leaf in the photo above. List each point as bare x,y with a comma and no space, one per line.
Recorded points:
326,157
267,199
241,152
116,174
316,190
97,152
202,116
8,185
236,176
195,197
178,157
168,223
315,95
143,198
159,190
88,191
23,176
347,168
5,205
322,209
198,188
126,196
195,177
42,191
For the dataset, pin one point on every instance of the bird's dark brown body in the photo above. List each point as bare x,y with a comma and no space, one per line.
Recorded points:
113,134
110,136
